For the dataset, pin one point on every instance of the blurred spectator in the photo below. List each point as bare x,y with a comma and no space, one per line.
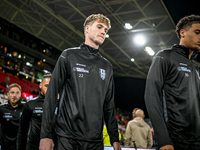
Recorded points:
1,91
7,80
24,99
106,138
120,120
3,83
152,131
134,111
125,120
138,133
35,91
3,97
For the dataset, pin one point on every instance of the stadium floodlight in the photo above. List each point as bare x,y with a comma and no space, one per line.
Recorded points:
149,51
139,39
128,26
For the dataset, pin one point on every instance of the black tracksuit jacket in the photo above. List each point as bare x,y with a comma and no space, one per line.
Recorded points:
172,97
87,98
9,119
28,137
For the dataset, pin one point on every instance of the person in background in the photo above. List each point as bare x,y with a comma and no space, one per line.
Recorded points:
172,90
84,80
134,113
7,81
106,138
138,131
3,97
28,137
24,99
10,113
35,91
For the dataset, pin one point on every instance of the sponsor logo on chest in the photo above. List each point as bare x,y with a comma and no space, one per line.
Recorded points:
183,69
7,116
78,69
38,111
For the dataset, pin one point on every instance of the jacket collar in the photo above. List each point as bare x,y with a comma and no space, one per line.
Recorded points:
41,96
185,51
89,49
18,104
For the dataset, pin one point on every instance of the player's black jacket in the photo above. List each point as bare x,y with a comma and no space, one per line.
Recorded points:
86,81
172,97
28,137
9,119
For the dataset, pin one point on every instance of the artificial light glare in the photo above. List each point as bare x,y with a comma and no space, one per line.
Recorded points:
46,71
132,59
107,35
29,64
149,51
128,26
140,40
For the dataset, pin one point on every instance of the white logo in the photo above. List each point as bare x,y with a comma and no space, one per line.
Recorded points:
186,74
80,65
183,69
183,64
102,73
80,69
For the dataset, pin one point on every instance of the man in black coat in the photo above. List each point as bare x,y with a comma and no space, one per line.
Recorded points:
31,119
10,113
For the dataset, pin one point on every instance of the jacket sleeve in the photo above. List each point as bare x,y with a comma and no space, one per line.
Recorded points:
154,98
109,113
128,134
23,128
149,139
0,114
57,80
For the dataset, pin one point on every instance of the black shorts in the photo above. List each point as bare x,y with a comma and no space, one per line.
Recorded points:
63,143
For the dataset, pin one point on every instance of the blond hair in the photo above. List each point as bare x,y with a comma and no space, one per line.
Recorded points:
94,17
14,85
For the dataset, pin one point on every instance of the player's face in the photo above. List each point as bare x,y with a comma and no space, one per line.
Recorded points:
44,85
96,33
191,37
14,95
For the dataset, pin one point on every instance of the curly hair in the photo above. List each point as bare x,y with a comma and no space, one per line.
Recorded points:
92,18
187,21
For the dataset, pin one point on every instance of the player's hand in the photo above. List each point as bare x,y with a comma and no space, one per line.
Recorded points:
167,147
116,146
46,144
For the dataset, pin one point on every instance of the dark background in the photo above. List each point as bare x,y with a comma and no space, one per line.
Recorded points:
130,91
